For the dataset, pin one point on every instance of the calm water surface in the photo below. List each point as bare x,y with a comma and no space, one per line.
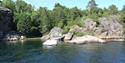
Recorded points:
32,51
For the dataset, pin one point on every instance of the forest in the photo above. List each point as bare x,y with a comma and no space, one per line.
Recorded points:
36,22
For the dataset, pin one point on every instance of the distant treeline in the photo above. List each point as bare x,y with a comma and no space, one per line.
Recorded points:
36,22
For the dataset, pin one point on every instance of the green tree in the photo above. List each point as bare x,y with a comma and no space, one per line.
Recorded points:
93,10
100,12
35,23
45,23
105,12
24,24
59,15
123,14
75,12
0,3
122,17
22,6
113,10
92,6
8,4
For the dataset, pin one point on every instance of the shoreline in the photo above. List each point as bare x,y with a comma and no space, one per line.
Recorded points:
33,38
107,40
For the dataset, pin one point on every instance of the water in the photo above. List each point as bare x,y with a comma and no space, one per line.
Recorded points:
32,51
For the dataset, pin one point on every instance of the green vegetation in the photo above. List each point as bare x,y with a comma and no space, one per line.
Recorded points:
35,22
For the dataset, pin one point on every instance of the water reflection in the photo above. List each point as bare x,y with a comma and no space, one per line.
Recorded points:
32,51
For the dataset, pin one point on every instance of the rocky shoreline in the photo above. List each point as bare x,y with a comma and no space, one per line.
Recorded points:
108,29
6,26
13,36
57,37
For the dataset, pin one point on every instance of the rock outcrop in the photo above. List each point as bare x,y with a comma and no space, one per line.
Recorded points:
74,29
6,26
56,33
109,26
68,36
5,21
86,39
54,37
89,25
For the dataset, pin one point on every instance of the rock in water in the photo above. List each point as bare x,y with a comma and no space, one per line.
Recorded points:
55,33
50,42
54,37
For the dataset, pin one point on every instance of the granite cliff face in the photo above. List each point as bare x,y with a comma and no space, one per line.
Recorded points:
5,21
109,26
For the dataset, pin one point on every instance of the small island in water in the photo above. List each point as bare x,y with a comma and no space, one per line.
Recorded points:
61,27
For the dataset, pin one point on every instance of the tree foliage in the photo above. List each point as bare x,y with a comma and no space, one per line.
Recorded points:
113,10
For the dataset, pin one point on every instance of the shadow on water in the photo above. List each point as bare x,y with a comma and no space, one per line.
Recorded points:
32,51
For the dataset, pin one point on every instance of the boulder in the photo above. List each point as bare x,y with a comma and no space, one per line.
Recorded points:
86,39
56,32
51,42
54,37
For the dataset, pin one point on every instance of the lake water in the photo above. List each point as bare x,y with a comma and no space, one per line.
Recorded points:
32,51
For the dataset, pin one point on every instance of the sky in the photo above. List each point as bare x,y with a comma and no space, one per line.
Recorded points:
81,4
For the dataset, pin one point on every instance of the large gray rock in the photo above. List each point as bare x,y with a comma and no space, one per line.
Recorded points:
56,32
51,42
109,26
89,25
54,37
5,21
